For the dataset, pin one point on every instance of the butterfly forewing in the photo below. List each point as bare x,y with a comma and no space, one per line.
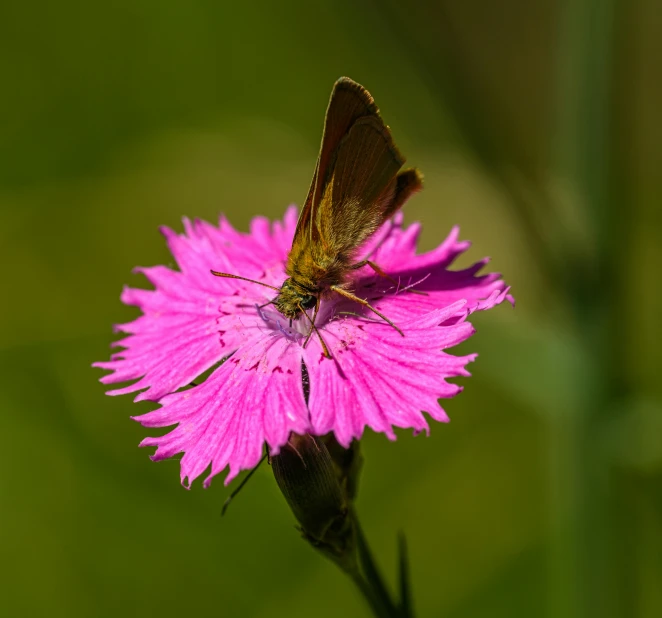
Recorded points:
349,101
361,185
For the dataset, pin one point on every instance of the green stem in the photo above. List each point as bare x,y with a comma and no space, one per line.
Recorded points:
379,606
372,574
367,578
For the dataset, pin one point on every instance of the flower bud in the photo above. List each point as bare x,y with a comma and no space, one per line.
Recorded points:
309,481
348,463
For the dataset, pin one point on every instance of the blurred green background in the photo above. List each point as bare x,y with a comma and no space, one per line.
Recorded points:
537,126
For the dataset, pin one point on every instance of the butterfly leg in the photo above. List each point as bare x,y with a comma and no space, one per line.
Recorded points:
374,267
310,332
314,328
365,303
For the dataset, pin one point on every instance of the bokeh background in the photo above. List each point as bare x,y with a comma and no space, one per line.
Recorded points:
537,125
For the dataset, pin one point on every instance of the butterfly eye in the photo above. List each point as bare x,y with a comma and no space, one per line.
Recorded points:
308,302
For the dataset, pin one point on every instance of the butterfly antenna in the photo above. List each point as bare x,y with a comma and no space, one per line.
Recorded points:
241,485
266,285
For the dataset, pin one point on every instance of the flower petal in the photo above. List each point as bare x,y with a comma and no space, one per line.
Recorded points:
175,340
193,319
434,285
379,379
254,397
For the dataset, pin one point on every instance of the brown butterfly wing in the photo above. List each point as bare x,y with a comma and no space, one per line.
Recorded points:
363,187
407,183
349,101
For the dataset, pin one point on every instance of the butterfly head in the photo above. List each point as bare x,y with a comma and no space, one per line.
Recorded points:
292,298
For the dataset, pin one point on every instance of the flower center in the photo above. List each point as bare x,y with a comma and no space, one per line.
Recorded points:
277,322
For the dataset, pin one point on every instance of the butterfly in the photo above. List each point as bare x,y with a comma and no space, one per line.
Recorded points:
358,185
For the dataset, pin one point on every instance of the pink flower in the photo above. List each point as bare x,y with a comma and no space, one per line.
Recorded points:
376,378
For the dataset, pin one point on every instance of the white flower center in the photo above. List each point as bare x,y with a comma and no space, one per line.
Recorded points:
277,322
